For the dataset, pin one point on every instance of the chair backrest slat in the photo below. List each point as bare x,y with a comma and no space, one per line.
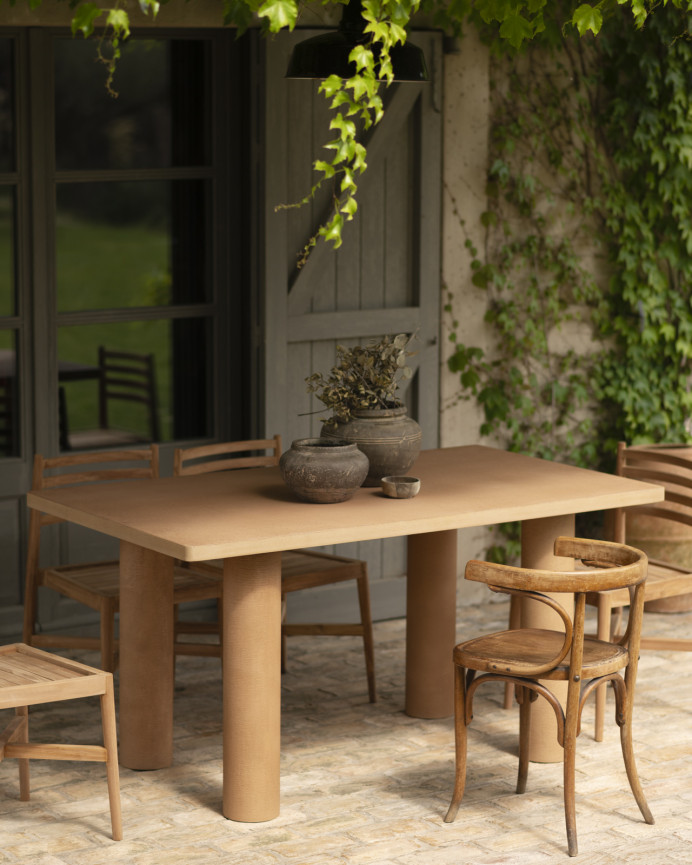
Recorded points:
86,468
224,456
658,464
128,377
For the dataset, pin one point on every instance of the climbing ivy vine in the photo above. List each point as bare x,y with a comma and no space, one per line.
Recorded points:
644,381
587,253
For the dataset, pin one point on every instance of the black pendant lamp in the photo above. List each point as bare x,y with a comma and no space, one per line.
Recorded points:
322,56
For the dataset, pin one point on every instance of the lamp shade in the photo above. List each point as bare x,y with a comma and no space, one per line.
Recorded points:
327,54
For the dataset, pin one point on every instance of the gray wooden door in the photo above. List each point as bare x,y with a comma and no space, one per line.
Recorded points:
384,279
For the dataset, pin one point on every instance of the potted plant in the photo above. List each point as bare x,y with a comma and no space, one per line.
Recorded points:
361,392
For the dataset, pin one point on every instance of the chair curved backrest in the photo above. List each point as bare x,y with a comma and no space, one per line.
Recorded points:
609,566
227,455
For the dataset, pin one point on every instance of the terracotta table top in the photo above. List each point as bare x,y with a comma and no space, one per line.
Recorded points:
248,511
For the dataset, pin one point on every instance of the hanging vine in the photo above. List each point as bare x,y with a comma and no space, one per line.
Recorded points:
358,98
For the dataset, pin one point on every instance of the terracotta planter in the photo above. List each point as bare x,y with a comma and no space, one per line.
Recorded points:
388,437
664,540
322,470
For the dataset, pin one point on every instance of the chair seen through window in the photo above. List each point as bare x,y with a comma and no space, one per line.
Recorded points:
124,378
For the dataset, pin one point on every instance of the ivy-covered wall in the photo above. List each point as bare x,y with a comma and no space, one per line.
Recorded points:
584,255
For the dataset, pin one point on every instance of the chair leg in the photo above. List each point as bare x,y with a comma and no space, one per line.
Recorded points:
110,741
631,766
284,608
514,624
459,742
603,633
525,698
569,761
570,809
368,642
107,637
24,782
219,619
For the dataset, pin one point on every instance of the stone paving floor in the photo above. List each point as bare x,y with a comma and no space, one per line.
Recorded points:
364,784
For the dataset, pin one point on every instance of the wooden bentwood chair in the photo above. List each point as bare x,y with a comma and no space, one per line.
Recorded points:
524,656
97,584
300,569
28,677
665,465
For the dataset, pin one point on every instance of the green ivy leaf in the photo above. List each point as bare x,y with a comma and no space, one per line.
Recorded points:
516,29
119,20
279,14
84,17
587,18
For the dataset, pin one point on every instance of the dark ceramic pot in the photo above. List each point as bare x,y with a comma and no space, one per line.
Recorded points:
389,438
323,470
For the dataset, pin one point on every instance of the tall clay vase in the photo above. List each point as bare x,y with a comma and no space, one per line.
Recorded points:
388,437
323,470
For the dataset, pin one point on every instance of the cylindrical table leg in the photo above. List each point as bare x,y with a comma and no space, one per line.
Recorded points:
251,687
537,539
431,624
146,658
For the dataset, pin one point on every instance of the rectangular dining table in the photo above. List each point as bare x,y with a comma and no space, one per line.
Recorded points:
247,518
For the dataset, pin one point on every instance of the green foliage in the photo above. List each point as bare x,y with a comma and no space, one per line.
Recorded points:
647,120
358,98
591,153
365,376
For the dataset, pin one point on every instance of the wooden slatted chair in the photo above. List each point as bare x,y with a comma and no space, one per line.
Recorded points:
527,657
30,676
300,569
664,465
124,378
97,584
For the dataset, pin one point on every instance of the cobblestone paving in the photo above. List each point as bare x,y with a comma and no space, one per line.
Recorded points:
364,784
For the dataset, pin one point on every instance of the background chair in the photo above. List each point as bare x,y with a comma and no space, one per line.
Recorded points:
124,377
658,464
528,656
300,569
96,584
29,676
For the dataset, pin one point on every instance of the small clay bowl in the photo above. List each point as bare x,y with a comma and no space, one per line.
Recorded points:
400,487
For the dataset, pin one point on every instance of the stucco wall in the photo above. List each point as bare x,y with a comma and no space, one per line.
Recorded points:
466,115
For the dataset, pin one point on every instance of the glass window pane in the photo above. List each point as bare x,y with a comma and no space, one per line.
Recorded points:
102,365
132,244
7,160
7,229
9,395
158,119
